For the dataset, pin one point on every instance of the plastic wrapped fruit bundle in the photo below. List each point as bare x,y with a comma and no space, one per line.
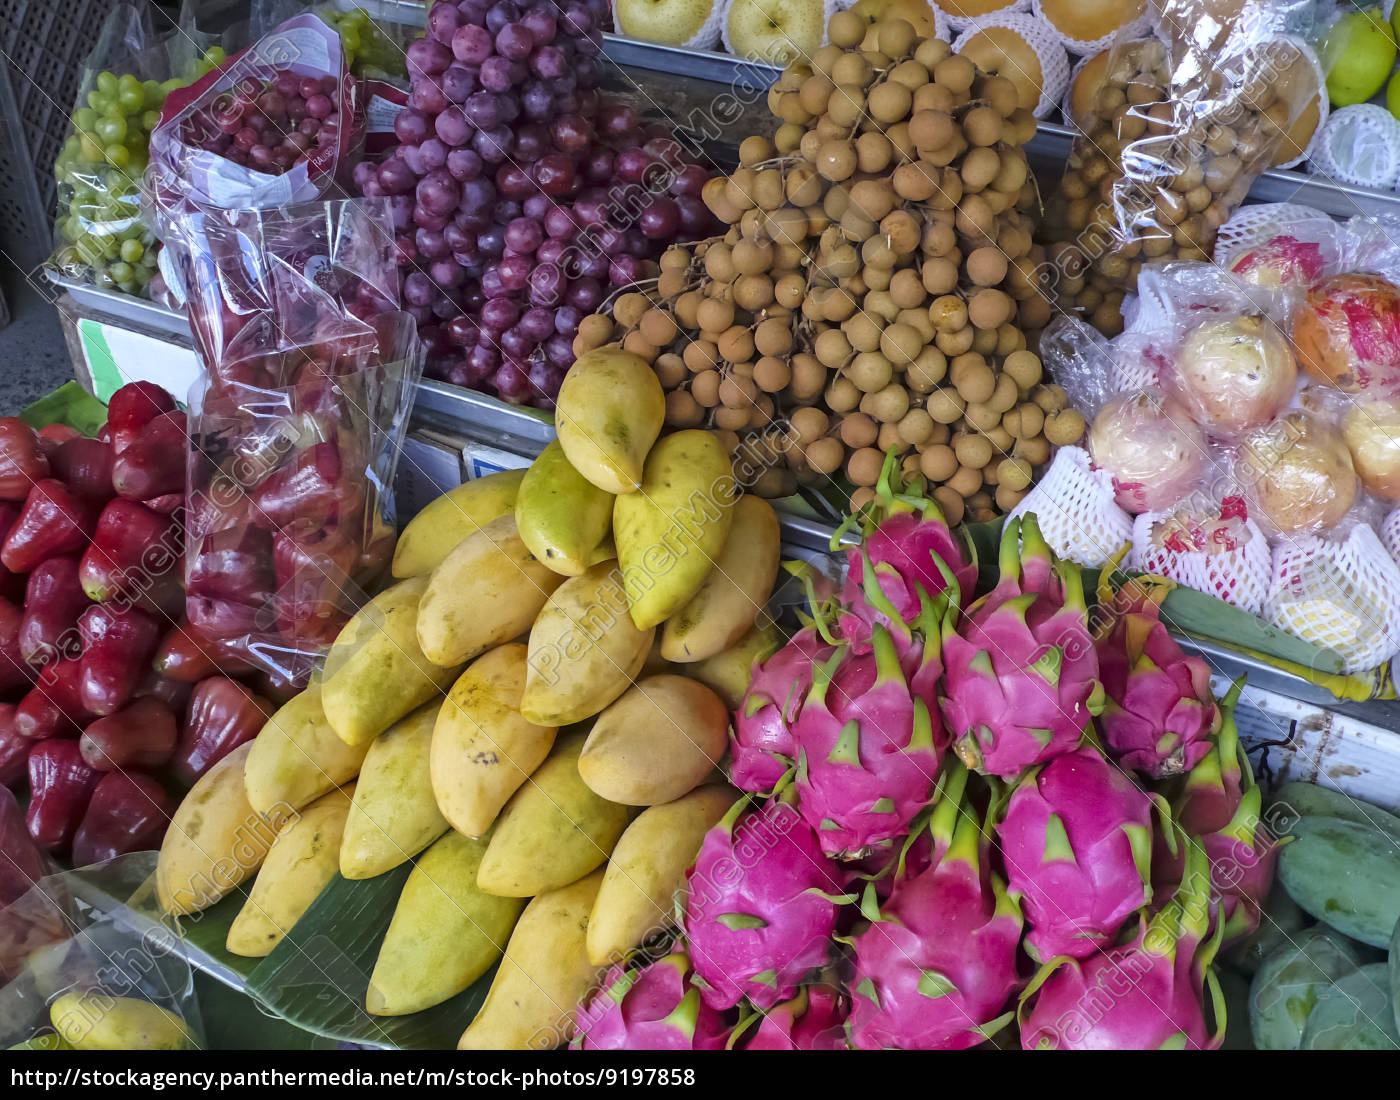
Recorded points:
296,424
875,284
519,195
1167,152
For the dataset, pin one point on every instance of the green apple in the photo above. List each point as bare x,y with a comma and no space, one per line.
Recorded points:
775,31
670,22
1357,55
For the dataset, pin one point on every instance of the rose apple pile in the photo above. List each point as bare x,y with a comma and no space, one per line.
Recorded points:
111,701
519,195
874,287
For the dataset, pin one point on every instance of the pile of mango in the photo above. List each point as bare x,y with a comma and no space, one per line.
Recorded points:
534,713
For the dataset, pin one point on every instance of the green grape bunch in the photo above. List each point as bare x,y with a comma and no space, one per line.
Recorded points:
102,237
370,53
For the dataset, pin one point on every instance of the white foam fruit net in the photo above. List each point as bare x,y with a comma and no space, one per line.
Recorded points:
1133,28
1390,535
1359,145
1133,368
1075,508
960,22
1237,573
1344,595
1054,63
706,38
1251,226
720,17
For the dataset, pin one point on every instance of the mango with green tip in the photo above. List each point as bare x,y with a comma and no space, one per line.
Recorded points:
608,414
297,757
584,651
544,975
483,747
303,859
671,531
647,869
393,815
93,1020
376,672
47,1041
446,931
563,517
730,673
487,591
733,594
554,830
444,522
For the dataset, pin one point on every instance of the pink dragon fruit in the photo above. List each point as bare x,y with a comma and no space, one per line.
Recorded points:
813,1020
1021,679
653,1008
1077,842
867,750
1242,857
762,749
1158,712
1146,995
937,964
917,852
761,907
1214,786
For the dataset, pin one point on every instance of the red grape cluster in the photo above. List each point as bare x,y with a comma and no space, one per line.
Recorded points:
268,125
519,194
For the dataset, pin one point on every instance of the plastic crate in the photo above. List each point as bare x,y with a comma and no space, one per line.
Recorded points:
45,43
24,225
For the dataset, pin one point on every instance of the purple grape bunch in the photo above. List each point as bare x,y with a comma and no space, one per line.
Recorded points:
520,194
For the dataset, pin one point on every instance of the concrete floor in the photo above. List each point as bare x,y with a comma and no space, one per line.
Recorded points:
33,356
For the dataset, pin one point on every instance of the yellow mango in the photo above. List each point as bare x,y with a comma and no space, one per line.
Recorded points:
562,516
608,414
435,531
92,1020
729,673
297,757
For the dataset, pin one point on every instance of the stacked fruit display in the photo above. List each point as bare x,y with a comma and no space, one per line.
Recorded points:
875,285
112,701
104,239
447,726
519,194
1054,850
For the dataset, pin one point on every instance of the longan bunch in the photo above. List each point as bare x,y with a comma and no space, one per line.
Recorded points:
1182,181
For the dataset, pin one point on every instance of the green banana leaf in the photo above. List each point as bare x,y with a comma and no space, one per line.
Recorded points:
70,404
316,978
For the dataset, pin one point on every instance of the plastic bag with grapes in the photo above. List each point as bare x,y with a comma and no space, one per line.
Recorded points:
296,427
100,234
272,125
374,48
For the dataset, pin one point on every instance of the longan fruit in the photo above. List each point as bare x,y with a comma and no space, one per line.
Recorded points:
877,277
989,308
1035,451
984,340
873,152
853,69
927,370
981,417
802,186
1050,397
1033,312
838,305
939,276
1014,473
773,336
672,282
915,427
895,37
825,57
907,289
882,305
719,263
1012,174
670,370
808,424
753,292
975,218
638,344
844,108
931,129
736,344
972,450
1000,93
715,315
986,266
889,437
700,355
756,148
737,392
874,198
738,192
934,97
863,331
594,331
982,125
950,503
901,344
1004,397
940,240
889,102
966,481
836,160
972,377
682,410
945,406
870,371
732,418
1064,427
788,291
832,348
948,313
1024,421
917,319
658,327
842,395
1010,339
902,231
808,378
931,51
858,430
979,168
860,498
813,96
715,196
955,343
888,406
909,73
1007,498
704,387
916,181
771,374
629,307
938,462
752,258
788,137
864,466
1001,439
768,189
956,73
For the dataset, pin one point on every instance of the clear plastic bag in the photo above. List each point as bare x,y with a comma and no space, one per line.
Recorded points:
296,426
374,48
100,233
214,146
1176,134
88,958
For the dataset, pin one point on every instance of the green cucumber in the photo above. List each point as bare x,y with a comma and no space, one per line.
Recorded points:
1295,800
1289,983
1356,1015
1346,875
